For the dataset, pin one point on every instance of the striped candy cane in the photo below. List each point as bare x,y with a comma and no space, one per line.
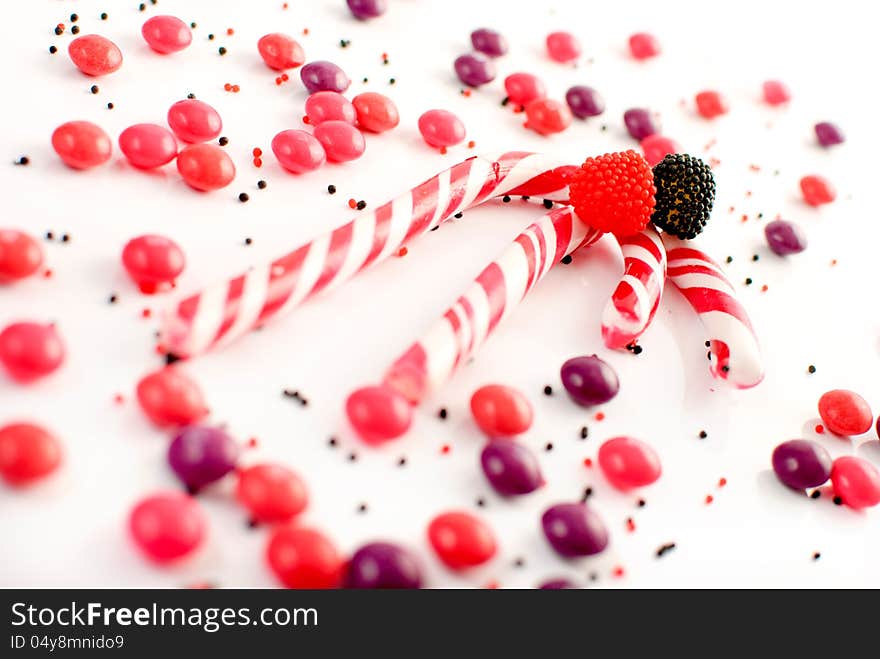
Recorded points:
734,353
464,327
635,300
223,312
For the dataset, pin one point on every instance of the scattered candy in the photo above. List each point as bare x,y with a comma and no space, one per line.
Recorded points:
153,262
378,414
856,482
341,141
201,455
194,121
167,526
584,102
148,145
489,42
30,351
828,134
375,112
329,106
563,47
501,411
20,255
574,530
323,76
511,468
366,9
589,380
461,540
710,104
280,51
383,565
643,45
205,167
817,190
474,69
166,34
95,55
845,413
81,144
271,493
304,558
776,93
523,88
298,151
801,464
639,123
628,463
28,453
656,147
785,237
440,128
557,584
170,398
547,116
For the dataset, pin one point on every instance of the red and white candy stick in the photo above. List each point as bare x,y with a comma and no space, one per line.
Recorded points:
635,300
498,289
221,313
734,354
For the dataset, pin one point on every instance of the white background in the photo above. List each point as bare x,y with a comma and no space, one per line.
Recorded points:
71,531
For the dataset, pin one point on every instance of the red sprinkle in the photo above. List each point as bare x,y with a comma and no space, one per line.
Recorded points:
618,572
599,416
119,399
403,251
471,144
230,31
352,203
257,152
709,499
588,462
630,524
253,442
722,482
445,449
258,163
146,313
820,429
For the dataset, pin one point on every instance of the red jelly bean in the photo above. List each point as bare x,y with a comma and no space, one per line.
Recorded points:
341,141
501,411
28,453
375,113
711,104
194,121
147,145
171,398
20,255
845,412
298,151
95,55
329,106
30,351
378,414
304,558
81,144
563,47
523,88
656,147
167,526
547,116
856,482
153,262
205,167
441,128
166,34
776,93
628,463
271,493
280,52
461,540
643,45
817,190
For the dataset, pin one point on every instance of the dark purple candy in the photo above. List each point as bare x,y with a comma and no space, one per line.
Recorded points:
489,42
639,123
558,584
828,134
584,102
573,529
323,76
200,455
511,468
364,9
474,69
383,565
785,237
800,463
589,381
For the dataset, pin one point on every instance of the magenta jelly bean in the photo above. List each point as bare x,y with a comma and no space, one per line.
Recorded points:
628,463
785,237
375,112
383,565
845,413
639,123
643,45
280,51
341,141
589,380
323,76
148,145
828,134
95,55
563,47
166,34
511,468
523,88
441,128
801,464
547,116
584,102
329,106
474,69
489,42
775,92
298,151
30,351
201,455
574,529
656,147
81,144
366,9
194,121
557,584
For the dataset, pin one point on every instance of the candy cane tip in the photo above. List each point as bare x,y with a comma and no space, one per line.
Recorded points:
378,413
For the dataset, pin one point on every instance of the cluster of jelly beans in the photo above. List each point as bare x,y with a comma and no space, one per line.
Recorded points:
803,464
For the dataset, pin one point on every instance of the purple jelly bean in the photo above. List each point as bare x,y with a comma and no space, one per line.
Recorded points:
573,529
324,76
489,42
584,102
366,9
200,455
474,69
589,380
639,123
558,584
800,464
828,134
785,237
383,565
511,468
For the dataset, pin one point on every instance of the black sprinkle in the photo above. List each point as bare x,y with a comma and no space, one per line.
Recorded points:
725,369
366,80
708,343
210,37
481,502
103,15
252,523
637,350
442,413
223,141
519,562
760,215
401,462
755,257
23,160
222,50
549,446
74,18
248,241
53,49
458,216
58,31
361,205
811,369
816,556
505,101
588,492
243,197
331,189
65,238
585,432
548,390
669,546
362,508
94,89
748,281
193,25
352,457
815,494
344,43
594,576
261,184
434,228
110,106
603,127
506,199
330,442
170,358
837,501
50,235
566,259
190,96
526,197
703,434
392,81
112,299
74,29
641,503
142,7
729,259
548,204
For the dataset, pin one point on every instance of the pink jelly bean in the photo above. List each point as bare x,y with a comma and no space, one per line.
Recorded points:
628,463
148,145
656,147
375,112
81,144
441,128
194,121
643,45
776,93
205,167
563,47
547,116
329,106
280,51
95,55
166,34
341,141
298,151
523,88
